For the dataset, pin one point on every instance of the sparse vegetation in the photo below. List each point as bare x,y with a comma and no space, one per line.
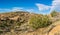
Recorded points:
25,22
54,13
39,21
8,24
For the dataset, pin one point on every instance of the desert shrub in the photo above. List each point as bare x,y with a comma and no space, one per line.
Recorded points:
3,24
54,13
18,23
39,21
1,31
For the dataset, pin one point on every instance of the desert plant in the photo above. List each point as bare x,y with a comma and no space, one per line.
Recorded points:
1,31
39,21
54,13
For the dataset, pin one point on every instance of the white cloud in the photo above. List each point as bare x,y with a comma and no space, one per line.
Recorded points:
12,9
42,7
17,9
4,10
55,5
30,10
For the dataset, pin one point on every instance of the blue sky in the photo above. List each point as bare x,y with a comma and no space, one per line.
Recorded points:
36,6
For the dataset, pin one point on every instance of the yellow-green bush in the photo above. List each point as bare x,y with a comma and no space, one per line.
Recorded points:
39,21
54,13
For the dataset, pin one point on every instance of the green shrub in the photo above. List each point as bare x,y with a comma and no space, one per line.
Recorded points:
54,13
1,31
39,21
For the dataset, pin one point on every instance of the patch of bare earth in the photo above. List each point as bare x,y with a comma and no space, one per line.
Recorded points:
55,30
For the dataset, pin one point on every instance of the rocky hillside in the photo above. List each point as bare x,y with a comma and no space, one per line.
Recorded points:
17,23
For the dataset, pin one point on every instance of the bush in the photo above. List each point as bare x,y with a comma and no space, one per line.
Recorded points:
39,21
54,13
1,31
